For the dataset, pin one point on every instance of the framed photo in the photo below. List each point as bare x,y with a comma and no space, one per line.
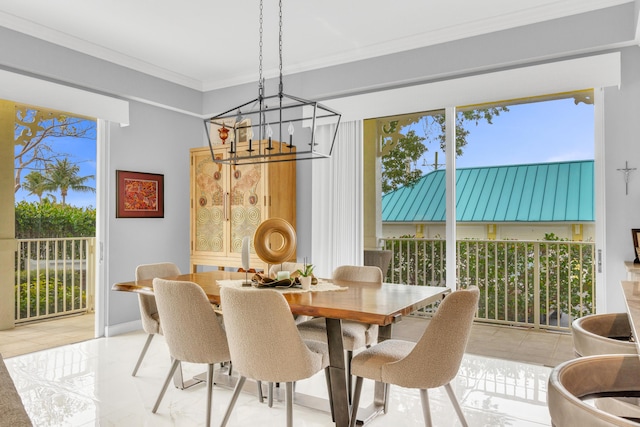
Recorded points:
635,233
243,130
139,195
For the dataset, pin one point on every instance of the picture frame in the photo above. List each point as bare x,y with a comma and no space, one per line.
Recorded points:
139,195
635,234
243,130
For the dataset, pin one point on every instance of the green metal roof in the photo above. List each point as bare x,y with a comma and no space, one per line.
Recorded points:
541,192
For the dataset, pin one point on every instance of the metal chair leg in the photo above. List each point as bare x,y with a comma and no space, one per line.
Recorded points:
142,353
356,402
289,399
232,403
456,404
270,395
426,411
260,395
174,366
209,392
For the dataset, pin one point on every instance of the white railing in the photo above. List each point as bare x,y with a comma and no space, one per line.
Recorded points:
54,277
540,284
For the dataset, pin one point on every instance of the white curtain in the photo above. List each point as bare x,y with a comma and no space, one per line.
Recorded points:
337,234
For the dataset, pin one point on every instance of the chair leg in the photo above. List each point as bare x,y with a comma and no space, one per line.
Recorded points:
270,395
426,411
232,403
260,395
356,402
142,353
209,392
327,376
456,404
385,407
289,399
349,376
174,366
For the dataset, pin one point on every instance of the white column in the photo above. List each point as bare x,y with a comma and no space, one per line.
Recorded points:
450,154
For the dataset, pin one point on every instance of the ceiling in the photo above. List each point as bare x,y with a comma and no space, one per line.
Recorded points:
210,44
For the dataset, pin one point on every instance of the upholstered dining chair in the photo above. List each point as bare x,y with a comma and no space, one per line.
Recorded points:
355,335
191,329
265,344
431,362
148,308
607,333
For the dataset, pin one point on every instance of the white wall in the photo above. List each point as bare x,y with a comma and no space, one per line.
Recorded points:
157,141
622,143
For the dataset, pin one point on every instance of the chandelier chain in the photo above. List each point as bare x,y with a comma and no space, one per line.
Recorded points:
260,81
280,47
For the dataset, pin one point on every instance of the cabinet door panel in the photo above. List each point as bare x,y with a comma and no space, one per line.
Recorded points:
210,205
247,203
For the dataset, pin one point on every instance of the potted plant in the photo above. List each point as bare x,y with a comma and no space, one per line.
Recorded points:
306,274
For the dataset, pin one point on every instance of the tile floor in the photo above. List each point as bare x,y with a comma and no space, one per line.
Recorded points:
502,382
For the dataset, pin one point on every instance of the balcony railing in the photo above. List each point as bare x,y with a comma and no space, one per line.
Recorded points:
540,284
54,277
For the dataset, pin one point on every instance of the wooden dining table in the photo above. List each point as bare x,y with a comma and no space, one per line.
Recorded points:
381,304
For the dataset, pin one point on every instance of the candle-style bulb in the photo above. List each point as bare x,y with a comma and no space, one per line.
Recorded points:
249,136
290,129
269,135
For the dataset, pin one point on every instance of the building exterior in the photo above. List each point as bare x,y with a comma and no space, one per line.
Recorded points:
521,202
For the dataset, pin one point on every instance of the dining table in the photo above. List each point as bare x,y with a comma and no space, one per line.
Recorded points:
382,304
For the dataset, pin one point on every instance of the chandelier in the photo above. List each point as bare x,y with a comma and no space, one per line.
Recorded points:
274,128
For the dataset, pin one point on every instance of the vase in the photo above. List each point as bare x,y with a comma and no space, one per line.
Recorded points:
305,282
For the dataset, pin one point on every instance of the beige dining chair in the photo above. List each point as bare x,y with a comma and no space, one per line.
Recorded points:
431,362
148,309
355,335
265,344
191,329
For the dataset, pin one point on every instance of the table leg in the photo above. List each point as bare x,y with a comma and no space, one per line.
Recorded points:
337,372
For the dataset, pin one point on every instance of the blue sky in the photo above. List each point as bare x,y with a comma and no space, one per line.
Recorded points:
550,131
538,132
81,152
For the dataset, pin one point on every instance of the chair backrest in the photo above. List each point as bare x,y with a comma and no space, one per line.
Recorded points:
263,339
436,358
191,328
574,379
358,273
148,308
607,333
285,266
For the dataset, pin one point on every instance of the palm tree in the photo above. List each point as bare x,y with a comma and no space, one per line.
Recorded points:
35,183
63,176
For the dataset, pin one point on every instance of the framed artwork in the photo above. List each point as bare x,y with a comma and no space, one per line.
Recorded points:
635,233
139,195
243,130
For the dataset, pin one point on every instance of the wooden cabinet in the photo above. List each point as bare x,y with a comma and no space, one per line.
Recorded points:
229,202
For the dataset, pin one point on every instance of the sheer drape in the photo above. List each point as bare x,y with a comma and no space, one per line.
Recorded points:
337,201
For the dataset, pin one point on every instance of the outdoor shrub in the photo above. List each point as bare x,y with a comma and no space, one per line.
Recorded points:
41,220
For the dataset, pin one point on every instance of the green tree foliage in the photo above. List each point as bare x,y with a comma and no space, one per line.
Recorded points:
396,166
63,176
40,220
35,130
399,166
35,183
